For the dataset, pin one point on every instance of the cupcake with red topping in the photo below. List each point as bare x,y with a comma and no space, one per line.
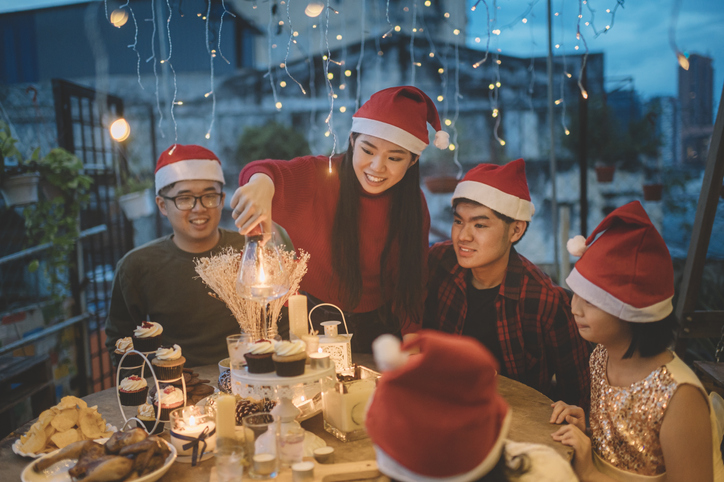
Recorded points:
289,358
133,391
171,398
169,362
258,357
147,337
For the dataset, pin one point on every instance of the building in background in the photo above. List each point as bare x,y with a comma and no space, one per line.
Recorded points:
696,98
668,127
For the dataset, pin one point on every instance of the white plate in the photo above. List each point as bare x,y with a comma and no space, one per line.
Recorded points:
59,472
17,450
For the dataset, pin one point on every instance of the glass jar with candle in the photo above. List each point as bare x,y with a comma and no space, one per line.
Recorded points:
344,403
193,433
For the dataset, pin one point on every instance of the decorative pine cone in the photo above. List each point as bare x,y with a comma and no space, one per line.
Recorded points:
246,407
225,381
268,405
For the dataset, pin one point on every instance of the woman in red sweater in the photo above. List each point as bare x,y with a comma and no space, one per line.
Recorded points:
364,222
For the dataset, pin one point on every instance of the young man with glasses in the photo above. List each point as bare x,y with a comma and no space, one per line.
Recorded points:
158,281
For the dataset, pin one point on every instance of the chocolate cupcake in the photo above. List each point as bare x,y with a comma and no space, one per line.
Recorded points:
289,358
169,363
132,360
171,399
133,391
147,337
259,357
147,415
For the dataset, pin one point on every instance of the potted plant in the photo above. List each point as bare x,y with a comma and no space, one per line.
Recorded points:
136,197
653,186
19,179
54,219
441,184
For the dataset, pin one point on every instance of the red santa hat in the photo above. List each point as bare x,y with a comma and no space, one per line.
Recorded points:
187,163
400,115
627,270
503,189
436,415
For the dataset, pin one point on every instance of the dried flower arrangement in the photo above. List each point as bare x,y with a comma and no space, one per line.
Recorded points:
219,272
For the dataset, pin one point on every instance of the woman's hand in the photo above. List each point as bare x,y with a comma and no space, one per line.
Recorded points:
252,203
562,412
571,436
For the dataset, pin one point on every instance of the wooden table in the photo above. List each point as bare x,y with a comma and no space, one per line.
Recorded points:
531,412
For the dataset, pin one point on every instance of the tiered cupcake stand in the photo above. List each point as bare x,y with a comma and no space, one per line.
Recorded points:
302,389
146,361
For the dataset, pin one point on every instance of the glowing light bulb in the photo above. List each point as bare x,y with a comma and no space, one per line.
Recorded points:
495,113
440,70
281,22
278,105
447,15
584,94
568,133
342,86
120,130
496,31
179,102
281,66
326,134
491,86
440,98
397,28
558,46
683,60
451,147
314,9
208,135
497,84
558,101
339,37
568,75
296,34
525,20
456,31
119,17
343,109
431,54
448,122
477,40
347,73
502,142
282,84
330,75
428,3
498,61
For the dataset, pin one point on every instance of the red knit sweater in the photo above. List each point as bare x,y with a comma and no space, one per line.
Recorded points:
305,202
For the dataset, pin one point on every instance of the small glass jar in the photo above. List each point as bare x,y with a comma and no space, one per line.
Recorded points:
344,403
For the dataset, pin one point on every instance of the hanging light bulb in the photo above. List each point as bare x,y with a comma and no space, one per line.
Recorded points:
683,61
119,17
314,9
120,130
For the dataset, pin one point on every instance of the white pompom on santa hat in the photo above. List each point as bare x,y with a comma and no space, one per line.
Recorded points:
503,189
625,267
187,163
437,415
400,115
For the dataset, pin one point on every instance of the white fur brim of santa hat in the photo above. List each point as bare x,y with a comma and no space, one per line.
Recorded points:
388,132
187,163
503,189
613,306
388,466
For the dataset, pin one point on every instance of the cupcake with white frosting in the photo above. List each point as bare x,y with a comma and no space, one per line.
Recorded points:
258,357
171,398
132,360
169,363
147,337
147,415
133,391
289,358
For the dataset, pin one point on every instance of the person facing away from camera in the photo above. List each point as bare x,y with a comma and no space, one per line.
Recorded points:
650,416
480,286
436,415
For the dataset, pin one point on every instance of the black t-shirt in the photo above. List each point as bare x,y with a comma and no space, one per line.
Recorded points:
481,321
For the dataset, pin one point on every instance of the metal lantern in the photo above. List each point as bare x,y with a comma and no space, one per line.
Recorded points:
336,345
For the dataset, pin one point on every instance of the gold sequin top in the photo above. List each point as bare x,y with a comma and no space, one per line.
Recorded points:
626,421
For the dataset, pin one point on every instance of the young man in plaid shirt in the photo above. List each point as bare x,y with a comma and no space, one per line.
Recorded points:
479,286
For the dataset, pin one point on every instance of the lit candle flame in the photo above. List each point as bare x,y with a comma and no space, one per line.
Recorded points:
262,276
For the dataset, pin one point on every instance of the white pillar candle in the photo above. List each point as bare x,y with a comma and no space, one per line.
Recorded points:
265,464
319,360
194,430
312,342
298,315
226,416
303,472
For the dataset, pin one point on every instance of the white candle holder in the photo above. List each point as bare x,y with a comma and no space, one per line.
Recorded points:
193,433
339,347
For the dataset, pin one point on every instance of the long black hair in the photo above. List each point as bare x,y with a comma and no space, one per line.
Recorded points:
404,232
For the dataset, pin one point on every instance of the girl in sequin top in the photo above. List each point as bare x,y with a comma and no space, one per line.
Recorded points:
650,416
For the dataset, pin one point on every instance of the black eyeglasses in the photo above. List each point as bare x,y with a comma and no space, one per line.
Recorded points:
187,202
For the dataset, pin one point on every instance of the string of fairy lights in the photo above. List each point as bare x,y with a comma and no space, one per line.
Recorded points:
413,14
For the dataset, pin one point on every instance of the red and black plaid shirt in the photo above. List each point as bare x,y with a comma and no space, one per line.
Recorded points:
536,330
